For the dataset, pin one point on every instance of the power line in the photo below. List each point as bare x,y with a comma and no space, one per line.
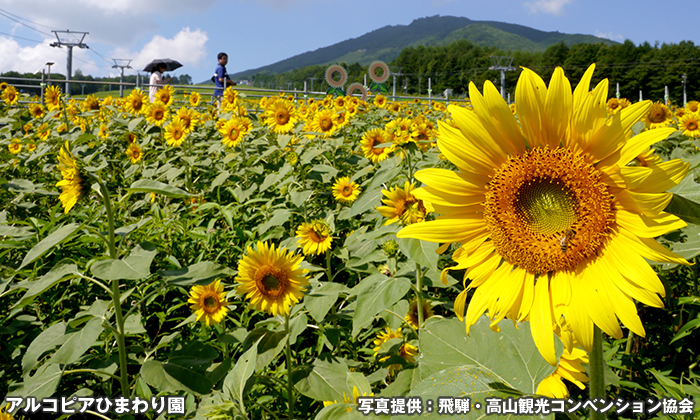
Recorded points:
20,17
19,37
24,24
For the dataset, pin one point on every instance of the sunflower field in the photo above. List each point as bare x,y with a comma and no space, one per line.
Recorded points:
341,258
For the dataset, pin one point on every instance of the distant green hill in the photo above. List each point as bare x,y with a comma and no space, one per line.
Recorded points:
386,43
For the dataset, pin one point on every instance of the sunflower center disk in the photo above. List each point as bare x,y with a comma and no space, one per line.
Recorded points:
548,210
271,281
211,302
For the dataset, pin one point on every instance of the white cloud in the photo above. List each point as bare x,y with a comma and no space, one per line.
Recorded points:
610,35
31,59
111,22
550,7
187,47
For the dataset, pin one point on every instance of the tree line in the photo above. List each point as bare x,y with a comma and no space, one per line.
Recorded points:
78,88
635,67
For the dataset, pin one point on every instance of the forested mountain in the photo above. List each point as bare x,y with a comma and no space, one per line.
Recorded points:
387,43
635,67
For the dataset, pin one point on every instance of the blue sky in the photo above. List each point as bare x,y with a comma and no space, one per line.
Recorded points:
259,32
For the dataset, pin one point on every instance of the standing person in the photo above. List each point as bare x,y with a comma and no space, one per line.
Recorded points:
220,75
157,79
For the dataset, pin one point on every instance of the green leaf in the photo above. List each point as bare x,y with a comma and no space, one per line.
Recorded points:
687,188
270,344
321,298
379,292
203,272
686,329
153,186
42,385
279,217
510,356
219,180
403,383
19,186
475,383
686,209
421,252
340,411
234,383
57,274
13,231
175,375
323,381
78,343
125,230
134,122
372,194
134,267
299,197
51,337
133,325
56,237
691,247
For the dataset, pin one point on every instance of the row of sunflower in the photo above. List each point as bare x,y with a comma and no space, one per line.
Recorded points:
276,257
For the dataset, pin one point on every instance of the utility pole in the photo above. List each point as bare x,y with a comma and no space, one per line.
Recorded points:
70,40
685,98
312,82
395,72
503,64
122,64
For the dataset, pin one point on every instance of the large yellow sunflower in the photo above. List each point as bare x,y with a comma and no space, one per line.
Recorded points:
52,97
280,116
373,138
554,224
175,133
74,183
209,302
658,116
271,278
345,191
135,102
10,95
690,124
194,98
324,122
165,95
15,147
314,237
401,204
157,113
91,103
188,117
233,131
134,152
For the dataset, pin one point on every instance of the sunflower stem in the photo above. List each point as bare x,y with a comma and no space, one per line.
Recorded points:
290,365
419,295
116,296
408,164
597,372
328,265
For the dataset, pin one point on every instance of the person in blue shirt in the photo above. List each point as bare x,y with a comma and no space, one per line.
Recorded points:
220,75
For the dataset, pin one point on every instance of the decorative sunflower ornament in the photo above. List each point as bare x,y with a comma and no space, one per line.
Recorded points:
554,224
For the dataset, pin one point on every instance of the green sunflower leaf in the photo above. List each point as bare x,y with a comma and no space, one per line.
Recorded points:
45,245
510,356
136,266
153,186
375,294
